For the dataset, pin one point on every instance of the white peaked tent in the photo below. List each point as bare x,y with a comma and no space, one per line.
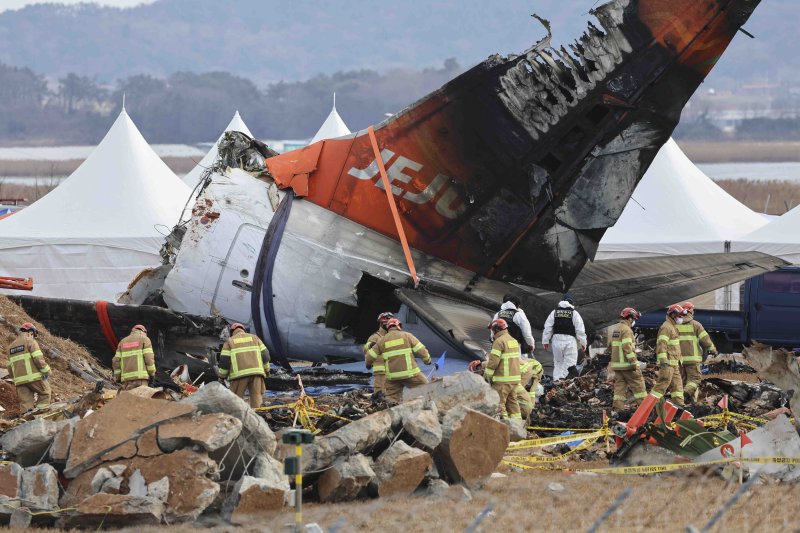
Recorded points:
675,210
91,236
780,237
333,126
236,124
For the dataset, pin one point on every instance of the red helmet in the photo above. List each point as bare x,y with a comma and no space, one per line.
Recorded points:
236,326
474,366
139,327
498,324
676,310
393,323
27,326
689,306
384,317
630,312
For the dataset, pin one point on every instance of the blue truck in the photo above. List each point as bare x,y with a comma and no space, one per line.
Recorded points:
770,314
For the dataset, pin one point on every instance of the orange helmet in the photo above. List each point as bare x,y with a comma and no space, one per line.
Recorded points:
28,327
630,312
498,324
139,327
474,366
236,326
689,306
393,323
384,317
676,310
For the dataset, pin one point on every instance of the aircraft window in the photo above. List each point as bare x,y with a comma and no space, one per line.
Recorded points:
782,282
411,317
244,273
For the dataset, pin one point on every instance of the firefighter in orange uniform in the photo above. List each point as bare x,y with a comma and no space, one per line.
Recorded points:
28,369
134,363
398,349
244,362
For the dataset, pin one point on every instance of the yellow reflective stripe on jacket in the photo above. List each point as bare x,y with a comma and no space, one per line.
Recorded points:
236,372
394,342
140,372
379,369
661,357
405,352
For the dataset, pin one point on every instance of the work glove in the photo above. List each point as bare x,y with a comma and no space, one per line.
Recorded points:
546,346
436,366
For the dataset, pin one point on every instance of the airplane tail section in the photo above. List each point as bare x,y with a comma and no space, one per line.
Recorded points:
527,156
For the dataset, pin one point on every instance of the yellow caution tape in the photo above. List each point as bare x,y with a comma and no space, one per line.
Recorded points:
535,443
303,409
658,469
542,428
536,459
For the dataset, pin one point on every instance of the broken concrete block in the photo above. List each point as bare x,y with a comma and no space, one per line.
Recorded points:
124,418
345,479
118,469
147,445
472,445
268,468
115,510
425,428
10,480
112,486
355,437
137,486
59,451
256,436
252,496
461,389
190,479
517,429
100,477
126,450
40,487
30,441
211,432
159,490
400,469
438,488
20,519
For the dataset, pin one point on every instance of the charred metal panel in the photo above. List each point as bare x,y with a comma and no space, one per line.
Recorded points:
515,168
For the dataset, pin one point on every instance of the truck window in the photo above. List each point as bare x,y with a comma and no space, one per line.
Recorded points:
782,282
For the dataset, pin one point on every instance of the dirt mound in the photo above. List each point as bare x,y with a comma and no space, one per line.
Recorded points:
65,383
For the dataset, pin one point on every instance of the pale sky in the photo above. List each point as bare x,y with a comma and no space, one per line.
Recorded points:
16,4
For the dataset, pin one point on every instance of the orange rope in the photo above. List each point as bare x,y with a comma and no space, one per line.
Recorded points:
393,207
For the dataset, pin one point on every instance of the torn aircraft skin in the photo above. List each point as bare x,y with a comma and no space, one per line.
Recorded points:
505,179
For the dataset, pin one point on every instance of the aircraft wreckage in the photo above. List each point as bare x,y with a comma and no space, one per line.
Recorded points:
504,179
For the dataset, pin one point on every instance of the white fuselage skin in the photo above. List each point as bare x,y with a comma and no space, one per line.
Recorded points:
321,258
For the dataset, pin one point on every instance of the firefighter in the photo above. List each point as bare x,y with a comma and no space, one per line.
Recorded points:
564,326
378,368
518,325
503,368
398,350
134,363
531,372
628,374
28,369
693,335
668,356
244,362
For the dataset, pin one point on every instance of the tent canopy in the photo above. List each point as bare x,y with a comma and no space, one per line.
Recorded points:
236,124
780,237
91,235
676,209
333,126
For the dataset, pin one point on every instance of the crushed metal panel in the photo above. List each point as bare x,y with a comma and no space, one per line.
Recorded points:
776,438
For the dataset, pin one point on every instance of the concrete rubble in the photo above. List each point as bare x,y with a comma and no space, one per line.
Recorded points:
136,459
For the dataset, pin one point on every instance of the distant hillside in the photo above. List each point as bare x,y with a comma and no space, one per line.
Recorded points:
268,40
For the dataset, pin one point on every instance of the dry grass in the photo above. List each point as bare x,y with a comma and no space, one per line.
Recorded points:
783,195
44,169
522,503
65,384
740,151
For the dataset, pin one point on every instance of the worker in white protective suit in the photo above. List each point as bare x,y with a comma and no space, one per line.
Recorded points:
564,330
518,325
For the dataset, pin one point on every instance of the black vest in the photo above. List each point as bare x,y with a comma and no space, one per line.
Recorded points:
562,325
513,329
